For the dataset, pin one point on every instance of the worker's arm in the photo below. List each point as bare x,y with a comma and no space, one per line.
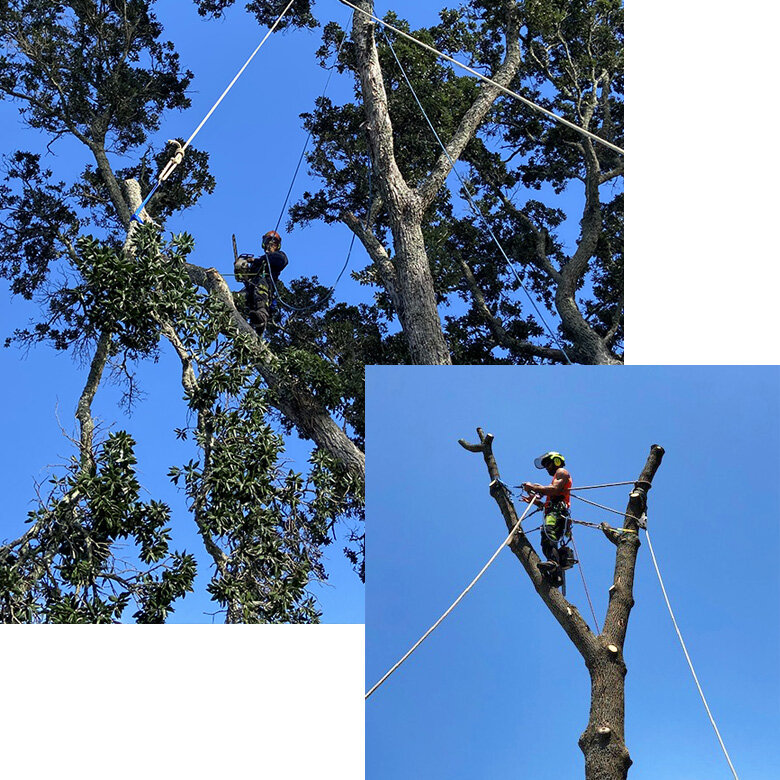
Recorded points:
555,489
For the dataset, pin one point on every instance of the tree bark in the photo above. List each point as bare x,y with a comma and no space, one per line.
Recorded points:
603,741
419,315
417,312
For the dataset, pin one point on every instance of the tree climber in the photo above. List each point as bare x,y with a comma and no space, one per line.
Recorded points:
557,516
260,275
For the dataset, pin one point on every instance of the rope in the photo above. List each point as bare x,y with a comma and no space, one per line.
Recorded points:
599,528
308,137
452,606
687,657
327,294
585,584
507,91
614,511
605,485
477,211
179,155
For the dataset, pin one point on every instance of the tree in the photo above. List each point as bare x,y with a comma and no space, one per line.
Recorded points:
602,742
384,175
99,73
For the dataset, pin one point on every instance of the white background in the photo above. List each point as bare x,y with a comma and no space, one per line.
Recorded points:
701,183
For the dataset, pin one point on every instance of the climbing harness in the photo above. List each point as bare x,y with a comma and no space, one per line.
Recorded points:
182,148
454,603
484,78
477,211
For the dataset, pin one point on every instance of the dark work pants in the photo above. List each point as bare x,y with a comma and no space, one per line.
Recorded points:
258,300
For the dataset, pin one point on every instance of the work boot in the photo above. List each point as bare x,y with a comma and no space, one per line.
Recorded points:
548,568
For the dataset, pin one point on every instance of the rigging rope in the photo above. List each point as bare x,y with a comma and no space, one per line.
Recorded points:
480,76
179,155
328,292
452,606
605,485
584,584
308,137
614,511
477,211
687,657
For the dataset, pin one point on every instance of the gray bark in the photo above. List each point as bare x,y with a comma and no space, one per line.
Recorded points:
417,310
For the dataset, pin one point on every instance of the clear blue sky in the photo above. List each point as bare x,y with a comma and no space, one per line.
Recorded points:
498,690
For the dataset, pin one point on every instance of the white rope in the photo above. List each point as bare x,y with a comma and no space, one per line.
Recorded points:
236,77
178,156
687,657
452,606
607,509
487,80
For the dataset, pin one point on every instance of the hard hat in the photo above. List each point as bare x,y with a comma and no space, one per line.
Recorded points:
555,457
271,235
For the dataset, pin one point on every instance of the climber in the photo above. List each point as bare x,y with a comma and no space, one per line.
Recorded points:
557,518
260,275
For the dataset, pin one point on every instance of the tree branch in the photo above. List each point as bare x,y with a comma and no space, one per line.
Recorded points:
473,117
503,339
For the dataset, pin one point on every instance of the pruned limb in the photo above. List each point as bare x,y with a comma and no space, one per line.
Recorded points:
610,533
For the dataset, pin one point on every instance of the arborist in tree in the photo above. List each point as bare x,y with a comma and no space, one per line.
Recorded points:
557,515
260,275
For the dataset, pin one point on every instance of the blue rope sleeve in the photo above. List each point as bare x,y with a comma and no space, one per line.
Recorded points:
136,217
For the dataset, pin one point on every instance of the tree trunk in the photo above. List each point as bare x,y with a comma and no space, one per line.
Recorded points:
603,741
419,314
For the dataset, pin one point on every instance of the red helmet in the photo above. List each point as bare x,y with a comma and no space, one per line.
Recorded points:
272,235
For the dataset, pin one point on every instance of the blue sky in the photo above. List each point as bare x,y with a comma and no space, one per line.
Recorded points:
498,690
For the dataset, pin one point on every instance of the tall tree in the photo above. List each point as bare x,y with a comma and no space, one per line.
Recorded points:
98,72
603,741
384,175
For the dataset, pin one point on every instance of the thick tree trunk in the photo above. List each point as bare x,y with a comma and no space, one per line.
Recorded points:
419,314
603,741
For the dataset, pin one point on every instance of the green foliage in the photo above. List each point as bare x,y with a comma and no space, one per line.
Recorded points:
572,59
94,549
266,11
264,526
92,69
37,219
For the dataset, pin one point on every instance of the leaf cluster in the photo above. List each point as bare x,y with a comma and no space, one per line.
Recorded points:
94,549
96,70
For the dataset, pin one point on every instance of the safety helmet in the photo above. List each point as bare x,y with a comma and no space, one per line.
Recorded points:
555,458
271,235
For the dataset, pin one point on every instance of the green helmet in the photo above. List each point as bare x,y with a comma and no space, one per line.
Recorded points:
554,458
